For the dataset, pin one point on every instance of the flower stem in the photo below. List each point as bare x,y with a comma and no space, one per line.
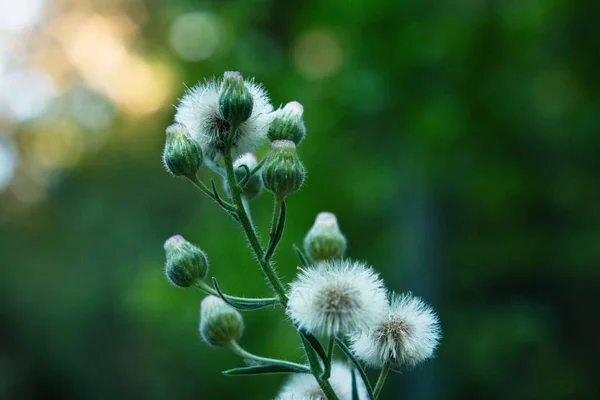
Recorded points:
382,375
207,289
315,368
240,351
250,232
196,182
327,369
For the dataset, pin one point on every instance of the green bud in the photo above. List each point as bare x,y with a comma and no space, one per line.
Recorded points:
288,124
182,155
324,240
186,264
235,101
219,322
283,173
255,183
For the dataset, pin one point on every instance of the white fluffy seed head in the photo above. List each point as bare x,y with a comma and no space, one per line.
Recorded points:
305,386
199,111
337,297
408,335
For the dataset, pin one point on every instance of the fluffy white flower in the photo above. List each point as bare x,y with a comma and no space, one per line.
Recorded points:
337,297
199,111
305,386
408,335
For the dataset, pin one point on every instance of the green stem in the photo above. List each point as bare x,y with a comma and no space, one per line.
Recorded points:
250,232
358,366
240,351
382,375
315,368
249,173
330,345
206,288
196,182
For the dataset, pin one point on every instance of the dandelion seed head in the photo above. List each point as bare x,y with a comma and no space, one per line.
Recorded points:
337,297
199,111
408,335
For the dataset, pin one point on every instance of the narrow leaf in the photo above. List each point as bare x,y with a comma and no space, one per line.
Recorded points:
354,386
359,367
301,256
278,232
316,345
246,177
216,194
244,304
265,369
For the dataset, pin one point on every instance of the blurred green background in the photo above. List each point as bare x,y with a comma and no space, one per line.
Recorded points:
457,141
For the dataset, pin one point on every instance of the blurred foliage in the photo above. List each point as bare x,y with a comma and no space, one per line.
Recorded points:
456,141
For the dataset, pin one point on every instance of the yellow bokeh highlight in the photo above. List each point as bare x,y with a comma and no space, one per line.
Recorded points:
97,49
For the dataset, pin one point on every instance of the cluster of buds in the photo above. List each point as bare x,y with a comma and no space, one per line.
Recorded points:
219,123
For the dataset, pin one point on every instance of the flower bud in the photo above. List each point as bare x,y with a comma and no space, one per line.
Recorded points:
283,173
182,156
255,183
324,240
235,101
219,322
186,264
288,124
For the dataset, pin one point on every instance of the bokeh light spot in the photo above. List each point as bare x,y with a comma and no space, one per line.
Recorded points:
19,15
196,36
317,54
28,92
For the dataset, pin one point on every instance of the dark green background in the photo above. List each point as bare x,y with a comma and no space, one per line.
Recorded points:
458,145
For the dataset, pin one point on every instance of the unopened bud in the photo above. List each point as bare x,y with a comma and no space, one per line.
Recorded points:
254,185
182,155
235,101
324,240
186,264
219,322
288,124
283,173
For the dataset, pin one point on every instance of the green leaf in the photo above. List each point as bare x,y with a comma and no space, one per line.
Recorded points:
216,194
358,366
265,369
301,257
246,177
316,345
354,387
278,232
244,304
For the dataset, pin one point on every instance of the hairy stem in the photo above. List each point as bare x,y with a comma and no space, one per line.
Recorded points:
250,232
196,182
206,288
382,376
